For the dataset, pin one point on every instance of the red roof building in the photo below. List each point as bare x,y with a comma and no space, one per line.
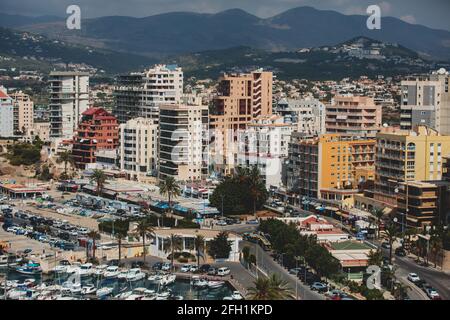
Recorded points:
98,130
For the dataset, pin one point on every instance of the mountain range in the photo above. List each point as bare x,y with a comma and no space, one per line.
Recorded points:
187,32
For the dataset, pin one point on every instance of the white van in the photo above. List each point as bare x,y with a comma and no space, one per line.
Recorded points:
223,271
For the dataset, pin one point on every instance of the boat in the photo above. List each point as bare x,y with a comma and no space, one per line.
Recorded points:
100,270
163,295
85,270
31,268
137,294
73,268
215,284
10,261
104,292
76,289
236,295
167,279
135,274
155,278
122,275
111,272
199,283
89,289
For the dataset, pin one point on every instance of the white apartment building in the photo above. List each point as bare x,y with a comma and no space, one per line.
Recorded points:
69,98
308,114
138,142
265,144
183,141
140,94
23,112
426,101
6,114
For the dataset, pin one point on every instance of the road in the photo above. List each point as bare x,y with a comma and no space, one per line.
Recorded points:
268,265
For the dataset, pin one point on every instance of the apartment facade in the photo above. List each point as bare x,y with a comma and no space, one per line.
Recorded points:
407,155
69,98
329,166
265,144
240,99
140,94
426,101
23,112
307,114
6,114
98,130
183,148
353,116
138,147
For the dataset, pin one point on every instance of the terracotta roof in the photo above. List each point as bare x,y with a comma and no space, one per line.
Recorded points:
3,94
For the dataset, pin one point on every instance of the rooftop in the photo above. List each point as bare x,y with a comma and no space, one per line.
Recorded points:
349,245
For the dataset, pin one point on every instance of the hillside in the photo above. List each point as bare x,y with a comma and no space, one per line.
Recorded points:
25,49
185,32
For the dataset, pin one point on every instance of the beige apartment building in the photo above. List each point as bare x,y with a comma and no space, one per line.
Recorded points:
407,155
353,116
240,99
183,149
23,112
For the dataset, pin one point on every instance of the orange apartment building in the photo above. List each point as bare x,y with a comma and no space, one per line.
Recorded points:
330,166
353,116
98,130
240,99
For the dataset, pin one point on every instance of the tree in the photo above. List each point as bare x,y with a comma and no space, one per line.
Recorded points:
378,214
99,178
199,243
270,288
94,235
246,255
220,247
391,233
400,291
142,229
436,247
256,186
375,258
66,158
120,236
170,188
176,244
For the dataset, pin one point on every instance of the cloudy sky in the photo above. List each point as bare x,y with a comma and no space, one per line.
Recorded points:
432,13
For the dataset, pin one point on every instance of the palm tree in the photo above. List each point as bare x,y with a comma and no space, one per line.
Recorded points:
170,188
378,214
391,233
66,158
436,247
176,244
142,229
254,179
375,258
272,288
400,291
94,235
120,236
246,255
199,243
99,177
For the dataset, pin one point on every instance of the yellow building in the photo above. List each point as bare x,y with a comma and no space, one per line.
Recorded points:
329,166
403,155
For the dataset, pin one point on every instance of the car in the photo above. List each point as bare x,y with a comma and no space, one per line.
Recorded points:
204,268
194,268
157,266
223,271
422,284
295,271
186,268
11,229
137,264
413,277
254,221
386,245
432,293
319,287
212,271
400,252
221,223
27,251
166,266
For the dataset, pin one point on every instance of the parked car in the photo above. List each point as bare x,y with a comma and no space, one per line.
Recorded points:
319,287
223,271
157,266
295,271
166,266
138,264
400,252
194,268
386,245
432,293
221,223
413,277
252,221
204,268
186,268
212,271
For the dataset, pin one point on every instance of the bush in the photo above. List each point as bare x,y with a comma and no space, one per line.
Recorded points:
182,260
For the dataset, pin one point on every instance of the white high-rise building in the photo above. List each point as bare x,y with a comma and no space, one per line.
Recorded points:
426,101
6,114
138,147
308,114
23,112
69,98
140,94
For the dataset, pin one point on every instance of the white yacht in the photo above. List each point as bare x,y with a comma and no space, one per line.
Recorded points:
111,272
104,292
135,274
215,284
100,270
168,279
86,270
